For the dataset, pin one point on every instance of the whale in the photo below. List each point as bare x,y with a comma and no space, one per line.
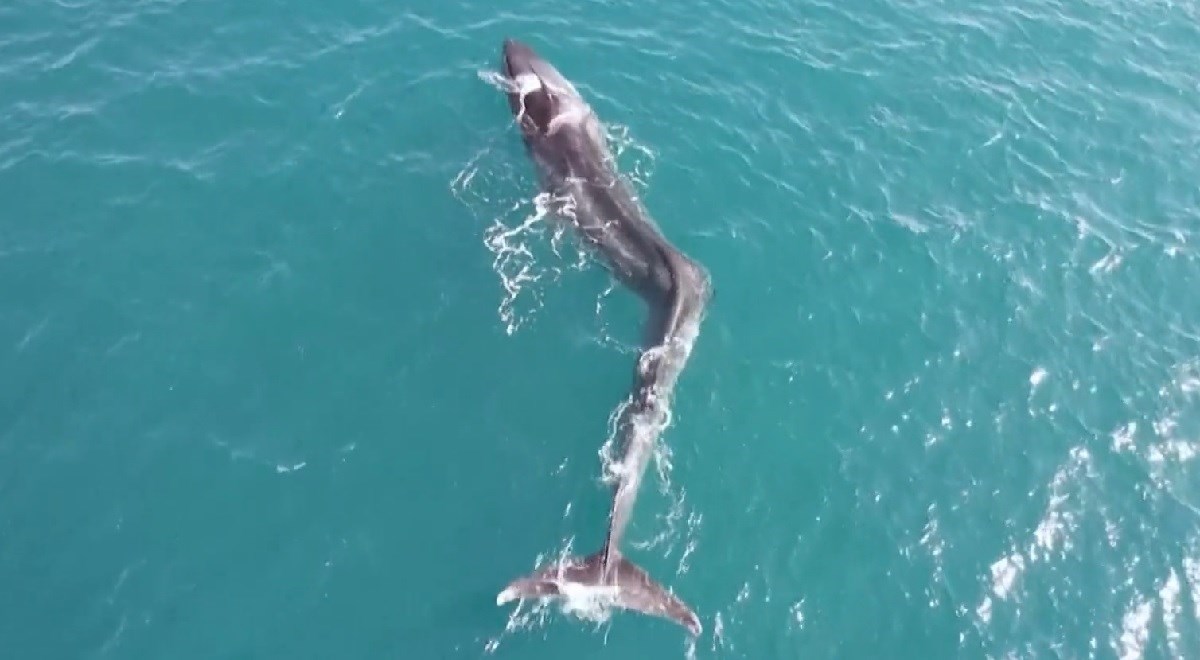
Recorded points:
565,140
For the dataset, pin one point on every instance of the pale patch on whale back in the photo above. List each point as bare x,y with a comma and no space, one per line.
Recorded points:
573,115
527,82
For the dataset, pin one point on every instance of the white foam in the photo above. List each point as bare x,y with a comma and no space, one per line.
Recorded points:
588,596
527,82
1135,630
1171,609
511,240
1037,377
1005,572
984,610
1122,438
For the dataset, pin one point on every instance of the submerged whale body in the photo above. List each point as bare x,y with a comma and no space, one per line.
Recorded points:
563,137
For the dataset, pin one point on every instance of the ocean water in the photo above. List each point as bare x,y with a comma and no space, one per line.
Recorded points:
293,366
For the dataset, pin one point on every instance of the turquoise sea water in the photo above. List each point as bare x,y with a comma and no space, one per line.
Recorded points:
290,367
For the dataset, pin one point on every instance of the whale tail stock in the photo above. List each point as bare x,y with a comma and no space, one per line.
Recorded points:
629,586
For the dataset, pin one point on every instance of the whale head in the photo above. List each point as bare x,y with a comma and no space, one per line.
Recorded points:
540,97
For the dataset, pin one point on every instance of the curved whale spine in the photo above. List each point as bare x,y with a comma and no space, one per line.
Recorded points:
564,139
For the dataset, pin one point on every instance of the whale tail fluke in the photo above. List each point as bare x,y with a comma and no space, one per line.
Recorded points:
617,580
